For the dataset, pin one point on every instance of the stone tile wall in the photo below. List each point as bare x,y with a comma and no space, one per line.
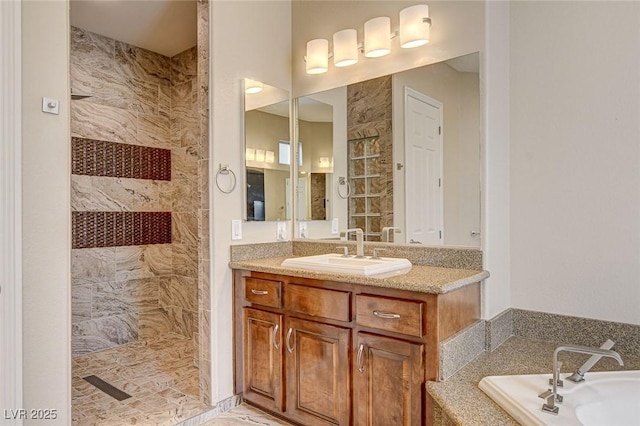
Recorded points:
121,294
204,253
369,123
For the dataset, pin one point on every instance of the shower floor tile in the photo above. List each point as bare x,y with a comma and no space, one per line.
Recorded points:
157,373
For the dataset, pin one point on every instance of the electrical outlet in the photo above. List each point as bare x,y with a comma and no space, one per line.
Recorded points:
236,229
281,231
302,229
335,226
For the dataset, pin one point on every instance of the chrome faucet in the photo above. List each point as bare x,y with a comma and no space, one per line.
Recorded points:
359,240
386,233
552,395
578,376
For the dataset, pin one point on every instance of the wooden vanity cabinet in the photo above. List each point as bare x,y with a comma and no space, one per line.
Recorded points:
328,353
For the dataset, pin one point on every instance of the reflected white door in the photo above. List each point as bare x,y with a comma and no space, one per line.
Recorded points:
423,168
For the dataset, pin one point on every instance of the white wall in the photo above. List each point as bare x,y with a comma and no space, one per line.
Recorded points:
46,218
250,39
575,158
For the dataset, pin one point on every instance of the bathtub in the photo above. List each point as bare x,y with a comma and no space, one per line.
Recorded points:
609,398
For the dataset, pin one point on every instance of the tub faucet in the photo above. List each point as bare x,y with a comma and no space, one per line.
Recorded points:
359,240
578,376
552,395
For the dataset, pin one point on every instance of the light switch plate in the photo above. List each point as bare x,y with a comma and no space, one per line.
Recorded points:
236,229
335,226
50,106
281,231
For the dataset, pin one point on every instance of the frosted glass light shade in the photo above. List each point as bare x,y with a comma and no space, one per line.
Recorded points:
377,37
260,155
345,48
269,156
317,56
250,154
414,31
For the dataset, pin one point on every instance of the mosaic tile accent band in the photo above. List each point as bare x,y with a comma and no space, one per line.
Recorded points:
101,158
111,229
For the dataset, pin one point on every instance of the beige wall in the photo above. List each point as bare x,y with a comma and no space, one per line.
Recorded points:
575,158
46,218
250,39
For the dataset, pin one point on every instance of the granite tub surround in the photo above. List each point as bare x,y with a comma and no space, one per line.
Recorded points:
517,342
460,401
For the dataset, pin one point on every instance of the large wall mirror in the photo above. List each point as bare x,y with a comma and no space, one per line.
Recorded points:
405,158
267,152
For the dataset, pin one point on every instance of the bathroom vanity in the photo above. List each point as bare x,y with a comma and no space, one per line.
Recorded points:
321,348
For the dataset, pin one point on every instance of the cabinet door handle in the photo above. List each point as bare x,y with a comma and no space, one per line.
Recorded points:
386,315
275,336
359,358
259,292
289,347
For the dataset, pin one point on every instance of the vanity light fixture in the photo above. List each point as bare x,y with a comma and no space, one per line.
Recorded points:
414,31
270,156
250,154
415,26
252,87
317,56
260,155
325,162
377,38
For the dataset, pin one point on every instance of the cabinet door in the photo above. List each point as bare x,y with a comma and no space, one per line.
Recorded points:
388,381
263,368
318,386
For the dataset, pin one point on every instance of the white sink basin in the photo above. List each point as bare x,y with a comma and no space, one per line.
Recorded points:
338,264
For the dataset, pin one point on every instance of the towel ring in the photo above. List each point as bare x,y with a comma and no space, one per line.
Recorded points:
342,181
225,171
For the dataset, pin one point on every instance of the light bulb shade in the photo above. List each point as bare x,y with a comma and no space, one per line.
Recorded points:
345,48
260,155
377,37
317,56
414,31
269,156
250,154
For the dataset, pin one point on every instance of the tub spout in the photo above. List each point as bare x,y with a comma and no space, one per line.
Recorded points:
552,396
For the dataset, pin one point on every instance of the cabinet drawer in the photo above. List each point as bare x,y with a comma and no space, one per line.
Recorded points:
396,315
319,302
263,292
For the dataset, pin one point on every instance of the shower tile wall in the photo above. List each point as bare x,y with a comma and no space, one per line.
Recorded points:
125,293
202,336
369,115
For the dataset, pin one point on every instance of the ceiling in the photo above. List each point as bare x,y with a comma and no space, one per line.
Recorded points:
167,27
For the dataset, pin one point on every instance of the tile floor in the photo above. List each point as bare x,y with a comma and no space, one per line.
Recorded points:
245,415
157,373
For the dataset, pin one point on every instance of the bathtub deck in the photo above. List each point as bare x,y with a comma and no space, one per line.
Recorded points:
460,399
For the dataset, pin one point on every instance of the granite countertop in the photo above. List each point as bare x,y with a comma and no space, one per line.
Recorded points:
424,279
465,404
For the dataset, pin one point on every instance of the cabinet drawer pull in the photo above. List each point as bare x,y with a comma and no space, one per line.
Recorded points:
289,347
275,336
259,292
386,315
359,358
